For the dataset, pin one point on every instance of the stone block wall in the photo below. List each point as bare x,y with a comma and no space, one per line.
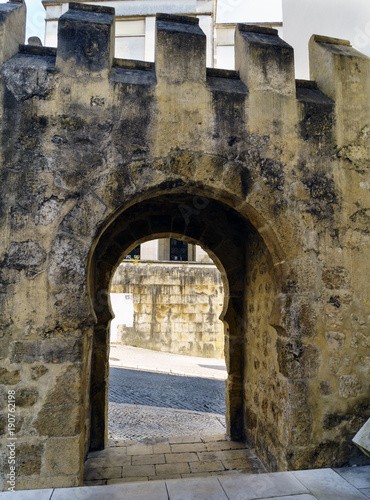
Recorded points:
268,174
176,307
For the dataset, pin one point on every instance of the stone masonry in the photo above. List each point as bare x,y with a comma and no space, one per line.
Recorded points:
267,173
176,307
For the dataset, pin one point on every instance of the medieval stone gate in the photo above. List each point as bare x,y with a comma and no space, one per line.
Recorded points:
266,173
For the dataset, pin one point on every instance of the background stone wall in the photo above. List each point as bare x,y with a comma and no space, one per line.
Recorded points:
176,307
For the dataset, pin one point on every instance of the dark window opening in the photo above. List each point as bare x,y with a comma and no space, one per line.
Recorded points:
178,250
134,254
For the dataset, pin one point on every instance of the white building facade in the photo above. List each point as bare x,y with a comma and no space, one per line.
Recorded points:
295,20
135,24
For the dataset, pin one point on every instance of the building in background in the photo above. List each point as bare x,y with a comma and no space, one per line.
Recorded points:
135,24
168,249
295,20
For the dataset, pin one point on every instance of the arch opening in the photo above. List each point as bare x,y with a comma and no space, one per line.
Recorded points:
163,304
168,295
245,263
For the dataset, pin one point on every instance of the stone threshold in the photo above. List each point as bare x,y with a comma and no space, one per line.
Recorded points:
169,458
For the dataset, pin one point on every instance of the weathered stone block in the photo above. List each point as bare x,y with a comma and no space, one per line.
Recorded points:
63,456
361,339
48,351
335,340
28,459
26,255
38,371
9,377
336,278
4,430
266,67
12,29
180,40
67,261
325,389
297,360
85,39
26,78
26,397
27,483
349,386
60,421
333,65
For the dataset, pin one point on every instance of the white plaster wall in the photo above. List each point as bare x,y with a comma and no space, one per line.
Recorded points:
348,19
122,305
249,11
149,250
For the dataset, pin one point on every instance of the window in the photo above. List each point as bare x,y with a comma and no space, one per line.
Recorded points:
130,39
178,250
134,254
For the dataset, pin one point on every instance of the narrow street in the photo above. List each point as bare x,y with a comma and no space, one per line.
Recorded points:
165,395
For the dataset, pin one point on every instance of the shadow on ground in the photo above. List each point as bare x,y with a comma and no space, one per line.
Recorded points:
166,390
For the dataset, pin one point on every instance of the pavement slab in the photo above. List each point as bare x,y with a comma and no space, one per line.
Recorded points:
243,487
357,476
193,489
325,484
291,497
29,495
182,460
132,491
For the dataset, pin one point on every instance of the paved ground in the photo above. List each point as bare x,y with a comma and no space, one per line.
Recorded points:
172,458
159,398
322,484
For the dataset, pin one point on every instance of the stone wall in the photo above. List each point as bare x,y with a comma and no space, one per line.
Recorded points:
269,175
176,307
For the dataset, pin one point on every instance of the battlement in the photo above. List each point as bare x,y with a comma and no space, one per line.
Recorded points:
264,66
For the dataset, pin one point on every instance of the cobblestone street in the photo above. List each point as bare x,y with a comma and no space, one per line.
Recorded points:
147,404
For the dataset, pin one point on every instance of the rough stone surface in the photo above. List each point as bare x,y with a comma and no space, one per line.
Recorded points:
349,386
8,377
99,155
176,308
28,461
62,456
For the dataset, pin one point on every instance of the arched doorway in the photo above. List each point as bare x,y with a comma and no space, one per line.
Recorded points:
167,370
250,283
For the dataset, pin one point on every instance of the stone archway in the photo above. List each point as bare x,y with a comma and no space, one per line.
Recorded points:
89,141
245,264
